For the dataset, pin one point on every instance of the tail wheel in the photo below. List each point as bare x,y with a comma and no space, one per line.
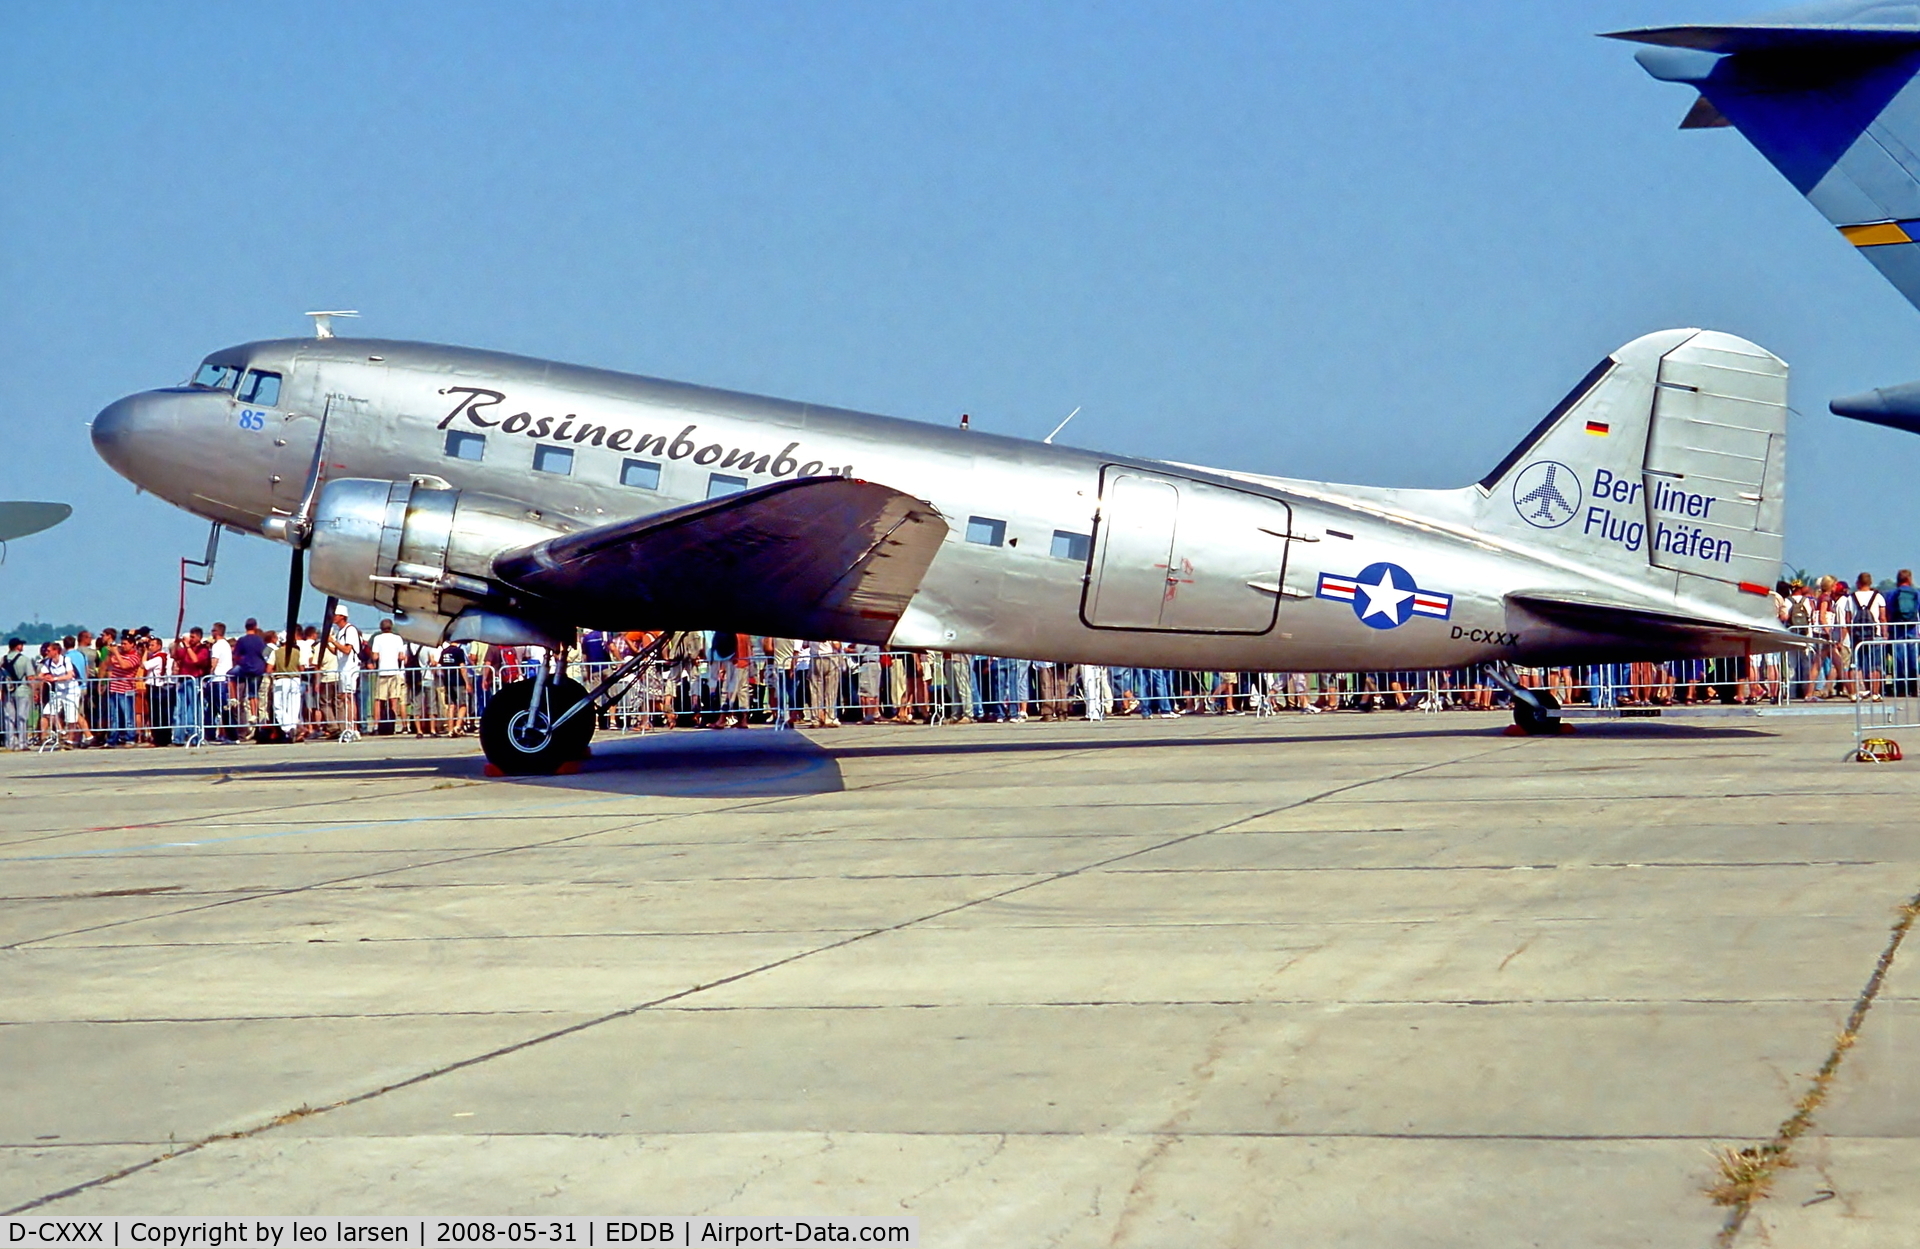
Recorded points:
517,732
1537,721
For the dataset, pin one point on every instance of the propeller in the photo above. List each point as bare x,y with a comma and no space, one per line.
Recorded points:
296,582
296,529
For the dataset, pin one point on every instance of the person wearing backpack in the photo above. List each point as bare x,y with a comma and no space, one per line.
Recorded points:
16,696
1863,612
1798,616
1903,615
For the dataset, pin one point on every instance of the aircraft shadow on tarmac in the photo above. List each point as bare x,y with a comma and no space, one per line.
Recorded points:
773,765
769,764
690,765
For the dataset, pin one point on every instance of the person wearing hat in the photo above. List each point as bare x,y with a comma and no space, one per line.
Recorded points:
342,665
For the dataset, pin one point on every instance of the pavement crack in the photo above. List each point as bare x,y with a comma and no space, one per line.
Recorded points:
1746,1174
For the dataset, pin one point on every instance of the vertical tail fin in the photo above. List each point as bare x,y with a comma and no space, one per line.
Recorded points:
1667,464
1827,94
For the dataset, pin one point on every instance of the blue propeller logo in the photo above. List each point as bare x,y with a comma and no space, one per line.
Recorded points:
1546,494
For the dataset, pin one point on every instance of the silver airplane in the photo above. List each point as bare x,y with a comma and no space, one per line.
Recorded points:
481,496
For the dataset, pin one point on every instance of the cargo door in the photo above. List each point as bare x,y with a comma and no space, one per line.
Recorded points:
1182,556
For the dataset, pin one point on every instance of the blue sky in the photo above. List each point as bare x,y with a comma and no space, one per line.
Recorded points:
1362,244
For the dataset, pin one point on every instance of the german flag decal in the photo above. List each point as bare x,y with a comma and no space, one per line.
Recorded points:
1598,427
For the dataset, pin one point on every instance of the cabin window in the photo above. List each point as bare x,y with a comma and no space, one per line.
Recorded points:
1073,546
986,531
462,445
641,474
552,459
720,484
217,376
262,388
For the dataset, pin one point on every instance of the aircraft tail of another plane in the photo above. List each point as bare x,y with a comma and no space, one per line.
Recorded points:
1827,94
1665,465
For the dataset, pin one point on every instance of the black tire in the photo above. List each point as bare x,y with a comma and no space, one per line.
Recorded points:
1535,723
507,750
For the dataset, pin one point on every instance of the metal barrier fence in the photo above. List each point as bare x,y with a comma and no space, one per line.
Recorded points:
1892,670
1840,662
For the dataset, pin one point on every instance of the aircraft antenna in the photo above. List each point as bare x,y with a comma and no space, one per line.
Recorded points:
1062,425
323,321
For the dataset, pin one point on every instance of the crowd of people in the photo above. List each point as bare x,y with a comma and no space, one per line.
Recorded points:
132,687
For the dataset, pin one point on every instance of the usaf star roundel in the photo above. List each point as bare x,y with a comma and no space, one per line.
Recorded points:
1385,596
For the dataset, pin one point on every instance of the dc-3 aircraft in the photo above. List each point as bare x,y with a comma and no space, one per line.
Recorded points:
1827,93
491,497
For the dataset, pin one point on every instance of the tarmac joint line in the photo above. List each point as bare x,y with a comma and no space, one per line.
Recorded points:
1746,1175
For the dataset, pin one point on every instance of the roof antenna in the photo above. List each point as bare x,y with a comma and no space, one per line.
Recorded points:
323,322
1062,425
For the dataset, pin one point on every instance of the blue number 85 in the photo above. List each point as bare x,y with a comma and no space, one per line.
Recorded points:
253,420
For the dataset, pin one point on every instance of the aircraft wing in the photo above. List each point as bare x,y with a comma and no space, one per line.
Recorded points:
1590,613
17,520
1827,93
822,557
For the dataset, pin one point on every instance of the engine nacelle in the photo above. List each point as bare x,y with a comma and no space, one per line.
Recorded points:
425,554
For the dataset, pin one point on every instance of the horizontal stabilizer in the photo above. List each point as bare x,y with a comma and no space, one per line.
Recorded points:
821,557
1663,630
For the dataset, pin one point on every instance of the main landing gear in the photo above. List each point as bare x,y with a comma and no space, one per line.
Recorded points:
526,729
536,727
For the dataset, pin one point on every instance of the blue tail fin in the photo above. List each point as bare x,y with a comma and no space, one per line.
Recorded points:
1827,93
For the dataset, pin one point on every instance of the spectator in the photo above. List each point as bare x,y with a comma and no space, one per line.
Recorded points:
123,667
220,696
249,667
286,688
1095,691
192,663
454,681
16,696
389,652
432,717
1864,612
61,718
343,647
1903,612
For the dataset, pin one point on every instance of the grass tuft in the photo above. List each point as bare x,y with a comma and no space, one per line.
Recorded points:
1746,1174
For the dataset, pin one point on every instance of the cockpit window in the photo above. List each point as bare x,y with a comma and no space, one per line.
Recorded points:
261,388
217,376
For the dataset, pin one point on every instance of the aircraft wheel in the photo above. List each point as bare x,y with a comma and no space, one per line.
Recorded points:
519,740
1535,723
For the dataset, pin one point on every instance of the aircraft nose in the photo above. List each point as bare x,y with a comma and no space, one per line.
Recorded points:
124,427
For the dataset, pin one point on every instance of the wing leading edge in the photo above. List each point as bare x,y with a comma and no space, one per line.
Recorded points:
822,557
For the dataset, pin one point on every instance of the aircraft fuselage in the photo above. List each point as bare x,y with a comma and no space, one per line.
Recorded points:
1052,551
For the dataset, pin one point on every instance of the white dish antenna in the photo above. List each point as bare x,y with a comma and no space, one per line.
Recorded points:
323,321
